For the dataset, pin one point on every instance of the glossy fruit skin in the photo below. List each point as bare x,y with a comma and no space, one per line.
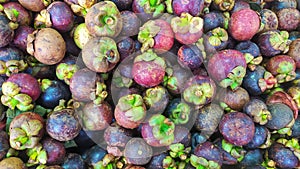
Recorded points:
6,33
61,16
237,128
278,5
50,97
8,53
20,37
62,125
248,47
193,7
213,20
251,81
93,155
182,135
244,24
138,152
28,84
126,47
73,161
260,137
279,120
55,151
33,5
191,56
283,157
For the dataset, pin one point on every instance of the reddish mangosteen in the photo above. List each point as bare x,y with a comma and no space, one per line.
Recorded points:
237,128
294,50
86,86
158,131
55,151
156,34
6,31
230,74
63,125
100,54
20,38
46,45
244,24
187,29
34,5
283,97
96,116
104,19
273,42
282,67
130,111
193,7
148,69
148,9
26,130
17,13
58,15
199,91
288,18
20,90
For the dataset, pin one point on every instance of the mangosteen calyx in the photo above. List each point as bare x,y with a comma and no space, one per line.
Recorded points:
234,78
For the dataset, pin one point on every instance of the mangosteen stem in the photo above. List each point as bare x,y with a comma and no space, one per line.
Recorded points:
65,72
108,20
100,93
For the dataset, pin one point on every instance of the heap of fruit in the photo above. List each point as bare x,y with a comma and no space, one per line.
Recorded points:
149,84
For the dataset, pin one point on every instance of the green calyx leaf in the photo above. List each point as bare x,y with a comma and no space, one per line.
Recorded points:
37,155
234,78
236,151
129,101
107,49
198,94
181,114
136,114
154,95
162,129
147,33
280,41
65,72
10,89
202,163
186,23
